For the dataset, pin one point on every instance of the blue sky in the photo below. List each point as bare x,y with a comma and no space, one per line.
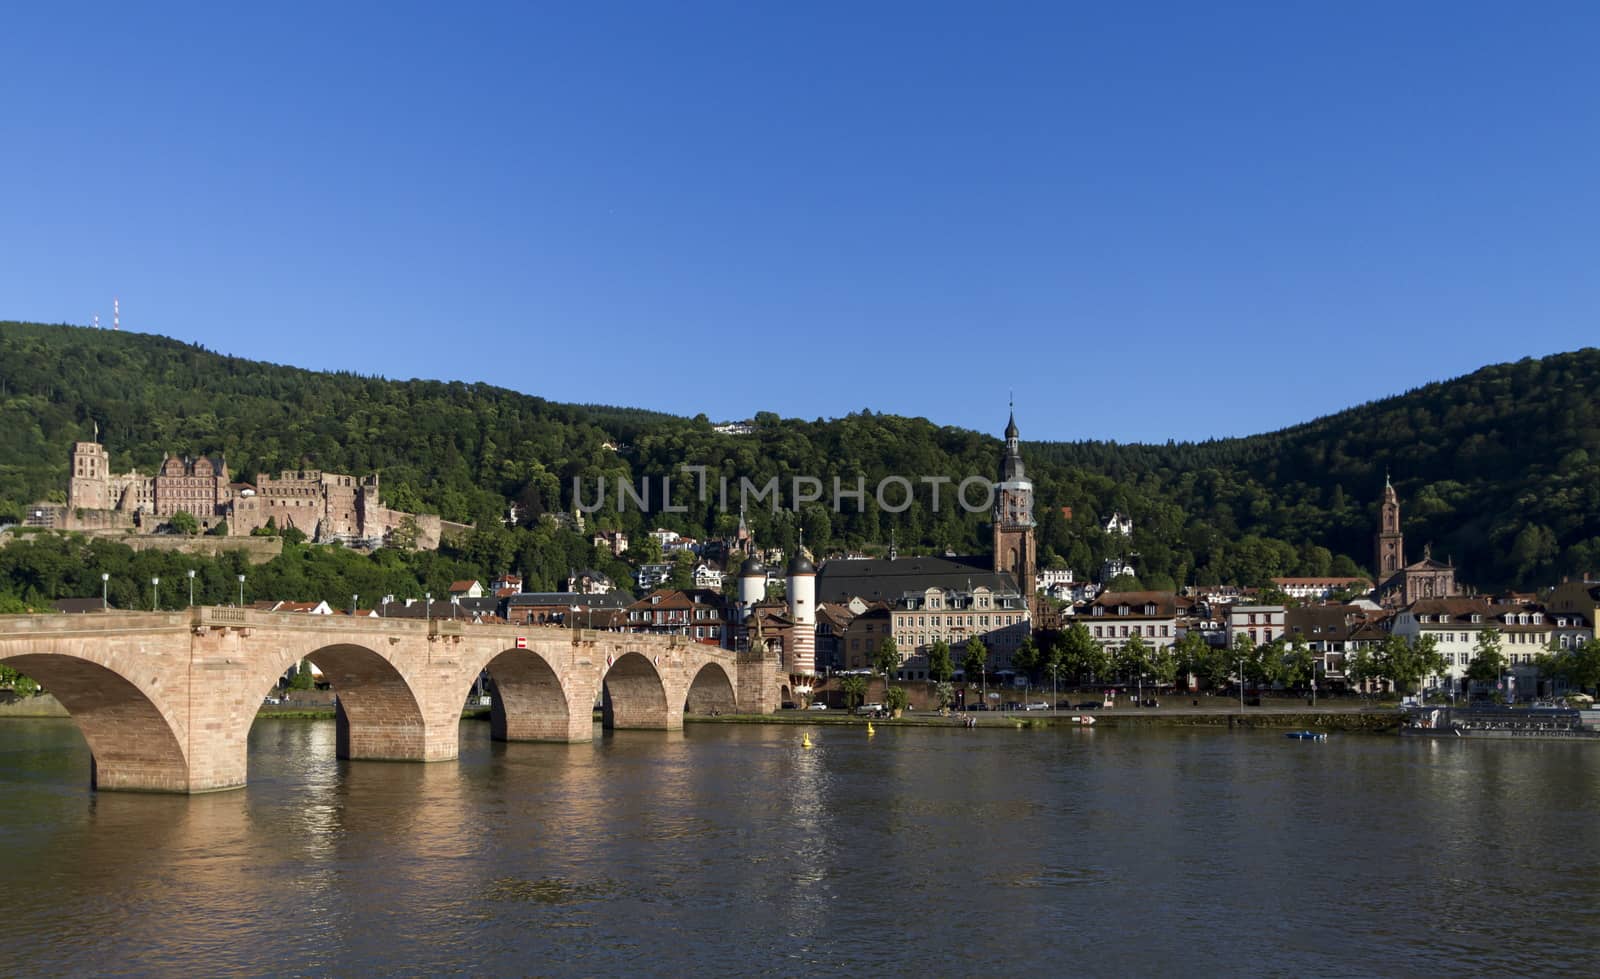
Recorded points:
1151,221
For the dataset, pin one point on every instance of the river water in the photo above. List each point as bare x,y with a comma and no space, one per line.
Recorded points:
733,850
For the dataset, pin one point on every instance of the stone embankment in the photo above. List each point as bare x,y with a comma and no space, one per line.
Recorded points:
1372,721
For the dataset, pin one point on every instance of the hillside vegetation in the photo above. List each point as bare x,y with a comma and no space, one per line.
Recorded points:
1499,469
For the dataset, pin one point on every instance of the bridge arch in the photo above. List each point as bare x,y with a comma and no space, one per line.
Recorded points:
711,692
528,701
379,715
133,742
633,695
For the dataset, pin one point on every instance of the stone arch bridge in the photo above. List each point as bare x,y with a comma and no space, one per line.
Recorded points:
166,699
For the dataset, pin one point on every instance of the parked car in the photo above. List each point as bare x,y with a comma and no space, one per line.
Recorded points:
787,705
1036,705
1088,705
818,706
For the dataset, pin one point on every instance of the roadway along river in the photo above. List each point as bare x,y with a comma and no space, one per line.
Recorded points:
732,850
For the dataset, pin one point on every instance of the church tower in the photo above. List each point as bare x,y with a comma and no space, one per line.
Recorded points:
1390,545
1013,516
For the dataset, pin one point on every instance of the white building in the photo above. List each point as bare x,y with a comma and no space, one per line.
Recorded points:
1262,623
1119,524
1117,616
1456,623
649,577
1320,589
706,576
1051,577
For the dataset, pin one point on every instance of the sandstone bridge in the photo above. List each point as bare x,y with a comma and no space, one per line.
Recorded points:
166,699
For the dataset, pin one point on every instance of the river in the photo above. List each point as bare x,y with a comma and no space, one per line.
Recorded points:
733,850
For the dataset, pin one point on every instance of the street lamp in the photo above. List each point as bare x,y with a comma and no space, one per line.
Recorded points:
241,591
155,594
191,588
1241,683
353,600
105,591
427,609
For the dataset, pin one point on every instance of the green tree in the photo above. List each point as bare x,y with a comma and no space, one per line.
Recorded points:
303,677
1299,663
940,667
1583,666
896,698
975,659
183,522
1025,659
1488,662
1360,666
21,685
887,658
1407,663
1133,658
1197,658
854,689
945,693
1082,655
1243,656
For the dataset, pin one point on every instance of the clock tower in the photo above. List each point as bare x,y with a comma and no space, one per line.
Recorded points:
1013,517
1390,550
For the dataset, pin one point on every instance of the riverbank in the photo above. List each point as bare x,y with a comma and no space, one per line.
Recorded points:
1368,721
43,705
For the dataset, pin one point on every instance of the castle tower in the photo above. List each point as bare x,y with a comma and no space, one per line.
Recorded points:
1014,544
90,485
1389,545
803,611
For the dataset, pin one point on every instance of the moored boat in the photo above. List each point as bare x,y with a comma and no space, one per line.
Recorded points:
1308,735
1503,723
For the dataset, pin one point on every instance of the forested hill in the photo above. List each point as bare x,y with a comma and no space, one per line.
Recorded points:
1499,469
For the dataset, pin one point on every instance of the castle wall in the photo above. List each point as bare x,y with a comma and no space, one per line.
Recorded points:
323,506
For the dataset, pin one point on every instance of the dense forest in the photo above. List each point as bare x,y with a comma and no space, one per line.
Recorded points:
1499,470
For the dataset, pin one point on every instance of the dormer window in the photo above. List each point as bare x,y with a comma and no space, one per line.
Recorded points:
1149,610
1477,617
1122,610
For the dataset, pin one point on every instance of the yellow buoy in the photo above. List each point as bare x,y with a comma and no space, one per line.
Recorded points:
805,741
871,730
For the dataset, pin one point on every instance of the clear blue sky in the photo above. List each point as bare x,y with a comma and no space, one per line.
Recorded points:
1151,221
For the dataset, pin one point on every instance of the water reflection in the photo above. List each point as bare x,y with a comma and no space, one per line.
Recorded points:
734,849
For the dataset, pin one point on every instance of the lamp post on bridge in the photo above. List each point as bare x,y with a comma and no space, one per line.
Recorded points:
427,609
105,591
191,588
155,594
241,591
353,600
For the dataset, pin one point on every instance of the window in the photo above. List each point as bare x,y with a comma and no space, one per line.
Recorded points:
1097,634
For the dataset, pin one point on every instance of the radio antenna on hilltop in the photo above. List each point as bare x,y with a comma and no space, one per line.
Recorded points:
116,313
